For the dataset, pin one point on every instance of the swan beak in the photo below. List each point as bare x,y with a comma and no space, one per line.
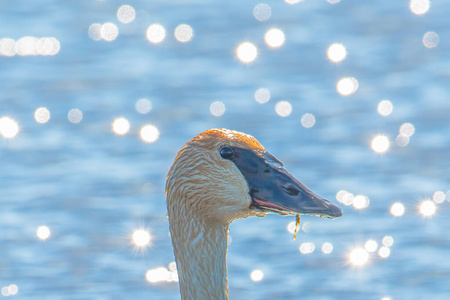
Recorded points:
273,189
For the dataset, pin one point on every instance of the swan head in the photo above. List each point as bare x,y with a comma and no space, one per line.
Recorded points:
222,175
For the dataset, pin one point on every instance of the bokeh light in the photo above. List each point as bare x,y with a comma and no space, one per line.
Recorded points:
217,108
155,33
9,290
29,46
371,246
47,46
439,197
345,197
385,108
43,232
7,47
184,33
307,248
262,12
359,257
340,195
126,14
333,1
94,31
9,128
407,129
402,140
172,266
308,120
360,202
143,106
283,108
75,115
427,208
384,252
109,32
42,115
149,133
293,1
256,275
380,144
419,7
160,274
291,226
387,241
246,52
327,248
347,86
120,126
430,39
141,238
336,52
262,95
274,38
397,209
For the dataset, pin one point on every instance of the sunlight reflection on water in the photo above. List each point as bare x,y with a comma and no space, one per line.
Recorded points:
274,38
9,127
89,177
120,126
246,52
156,33
347,86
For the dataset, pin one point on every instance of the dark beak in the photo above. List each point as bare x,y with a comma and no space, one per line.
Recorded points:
274,189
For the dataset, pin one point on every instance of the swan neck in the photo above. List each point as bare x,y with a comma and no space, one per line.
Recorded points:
200,252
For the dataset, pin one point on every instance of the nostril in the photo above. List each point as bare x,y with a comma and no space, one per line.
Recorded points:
266,171
291,190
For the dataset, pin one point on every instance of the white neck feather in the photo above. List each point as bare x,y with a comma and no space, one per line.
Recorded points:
200,251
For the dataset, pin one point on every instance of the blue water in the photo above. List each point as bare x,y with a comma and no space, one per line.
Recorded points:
93,188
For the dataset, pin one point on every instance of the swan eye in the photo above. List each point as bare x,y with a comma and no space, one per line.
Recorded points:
226,153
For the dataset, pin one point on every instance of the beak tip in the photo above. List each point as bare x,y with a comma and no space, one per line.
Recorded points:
335,211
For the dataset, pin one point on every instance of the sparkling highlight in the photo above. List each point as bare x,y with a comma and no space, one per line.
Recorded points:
397,209
9,128
256,275
141,238
149,133
274,38
246,52
347,86
43,232
380,144
156,33
359,257
427,208
336,52
121,126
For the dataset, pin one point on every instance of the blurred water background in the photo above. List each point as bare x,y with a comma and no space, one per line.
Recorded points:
97,98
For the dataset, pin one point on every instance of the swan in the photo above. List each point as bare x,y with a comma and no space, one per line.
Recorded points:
219,176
